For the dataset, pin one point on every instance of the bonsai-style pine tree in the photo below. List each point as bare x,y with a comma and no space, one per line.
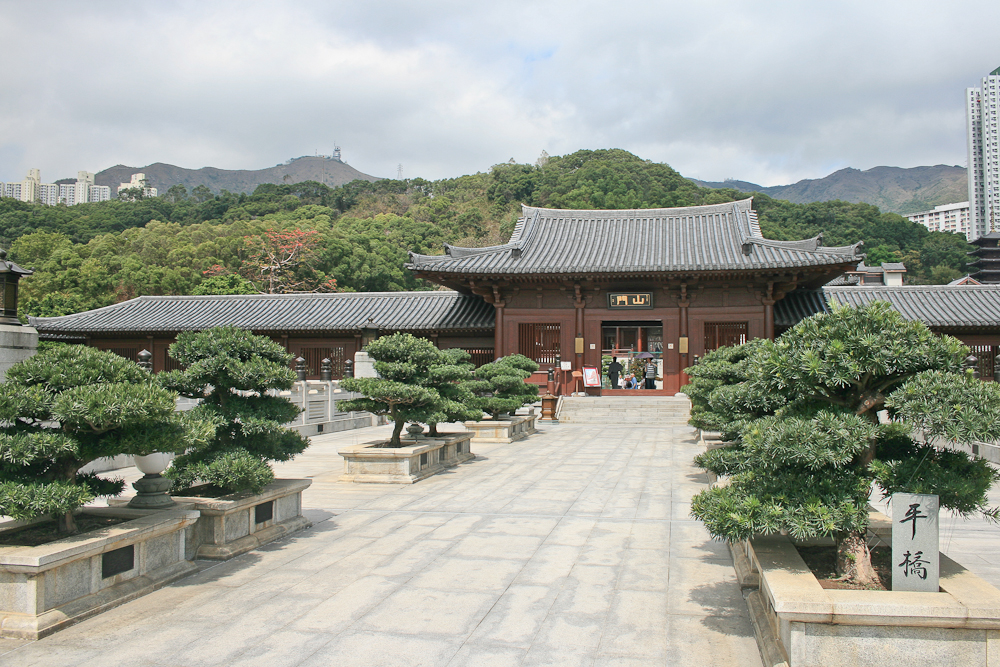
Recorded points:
725,366
500,387
232,370
449,380
409,369
65,407
809,444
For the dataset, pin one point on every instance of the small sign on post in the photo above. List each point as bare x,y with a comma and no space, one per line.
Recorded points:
915,545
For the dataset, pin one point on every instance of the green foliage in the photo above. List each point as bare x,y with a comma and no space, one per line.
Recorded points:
67,406
724,366
93,255
499,387
807,443
410,370
232,371
450,380
225,284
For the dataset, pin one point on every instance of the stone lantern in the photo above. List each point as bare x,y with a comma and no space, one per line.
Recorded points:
17,342
10,275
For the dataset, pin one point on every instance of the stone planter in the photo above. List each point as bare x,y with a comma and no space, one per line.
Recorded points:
411,463
812,626
234,524
51,586
502,430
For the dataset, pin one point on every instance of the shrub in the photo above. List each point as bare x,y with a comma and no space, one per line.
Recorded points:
232,370
499,387
68,406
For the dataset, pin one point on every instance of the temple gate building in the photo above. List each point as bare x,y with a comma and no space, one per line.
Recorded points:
568,287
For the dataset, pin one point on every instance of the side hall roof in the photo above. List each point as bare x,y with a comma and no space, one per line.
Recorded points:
716,237
305,312
939,306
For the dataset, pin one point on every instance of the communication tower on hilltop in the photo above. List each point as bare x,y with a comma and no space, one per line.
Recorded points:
336,152
399,172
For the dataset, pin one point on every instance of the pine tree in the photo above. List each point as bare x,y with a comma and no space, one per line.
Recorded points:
500,388
808,442
233,371
68,406
408,370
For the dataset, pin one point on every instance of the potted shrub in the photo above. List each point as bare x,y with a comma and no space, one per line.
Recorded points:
806,447
416,383
499,388
62,409
236,375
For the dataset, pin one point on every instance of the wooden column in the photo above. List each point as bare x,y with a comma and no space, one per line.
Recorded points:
768,302
498,350
683,302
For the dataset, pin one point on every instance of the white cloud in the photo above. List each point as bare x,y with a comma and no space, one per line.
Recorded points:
768,93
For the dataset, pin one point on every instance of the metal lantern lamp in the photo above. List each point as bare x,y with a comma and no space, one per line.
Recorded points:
10,274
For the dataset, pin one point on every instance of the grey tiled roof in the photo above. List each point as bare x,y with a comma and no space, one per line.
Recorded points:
339,312
798,305
935,305
943,306
695,238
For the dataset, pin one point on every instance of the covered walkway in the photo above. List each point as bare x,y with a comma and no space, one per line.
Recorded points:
573,547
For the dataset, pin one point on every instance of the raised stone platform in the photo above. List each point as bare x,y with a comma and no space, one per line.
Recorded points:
417,459
634,410
815,627
51,586
502,430
237,523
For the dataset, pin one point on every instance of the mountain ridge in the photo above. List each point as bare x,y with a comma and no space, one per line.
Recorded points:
902,190
326,170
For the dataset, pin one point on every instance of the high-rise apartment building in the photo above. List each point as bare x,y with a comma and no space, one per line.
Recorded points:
31,189
138,181
984,155
945,218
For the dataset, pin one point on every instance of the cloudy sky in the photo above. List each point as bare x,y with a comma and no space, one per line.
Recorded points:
766,91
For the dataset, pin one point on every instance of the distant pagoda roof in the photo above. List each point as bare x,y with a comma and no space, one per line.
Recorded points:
635,243
343,312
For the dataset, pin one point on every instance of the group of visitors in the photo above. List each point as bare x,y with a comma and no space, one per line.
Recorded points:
630,380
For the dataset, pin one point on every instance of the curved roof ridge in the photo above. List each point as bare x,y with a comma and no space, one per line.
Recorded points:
725,207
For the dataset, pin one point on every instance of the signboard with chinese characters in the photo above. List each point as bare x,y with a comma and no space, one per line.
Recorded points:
915,542
629,300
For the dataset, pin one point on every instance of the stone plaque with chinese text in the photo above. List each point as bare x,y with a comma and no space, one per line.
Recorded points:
914,542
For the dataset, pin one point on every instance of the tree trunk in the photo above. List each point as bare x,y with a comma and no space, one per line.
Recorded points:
66,523
854,560
397,429
432,430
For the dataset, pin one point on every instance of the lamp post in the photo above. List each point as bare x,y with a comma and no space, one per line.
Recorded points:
152,487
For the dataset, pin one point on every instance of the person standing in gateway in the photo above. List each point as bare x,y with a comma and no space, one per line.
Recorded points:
614,368
651,374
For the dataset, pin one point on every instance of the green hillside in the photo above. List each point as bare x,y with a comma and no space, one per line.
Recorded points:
359,234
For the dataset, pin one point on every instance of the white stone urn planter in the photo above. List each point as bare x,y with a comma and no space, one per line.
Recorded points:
417,459
809,626
502,430
48,587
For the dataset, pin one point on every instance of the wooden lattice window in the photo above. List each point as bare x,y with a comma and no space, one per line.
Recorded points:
480,355
719,334
985,354
130,353
539,342
314,357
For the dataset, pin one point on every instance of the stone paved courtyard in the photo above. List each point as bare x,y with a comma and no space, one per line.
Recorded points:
573,547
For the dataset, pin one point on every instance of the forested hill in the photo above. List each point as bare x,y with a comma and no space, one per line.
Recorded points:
358,234
892,189
163,176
